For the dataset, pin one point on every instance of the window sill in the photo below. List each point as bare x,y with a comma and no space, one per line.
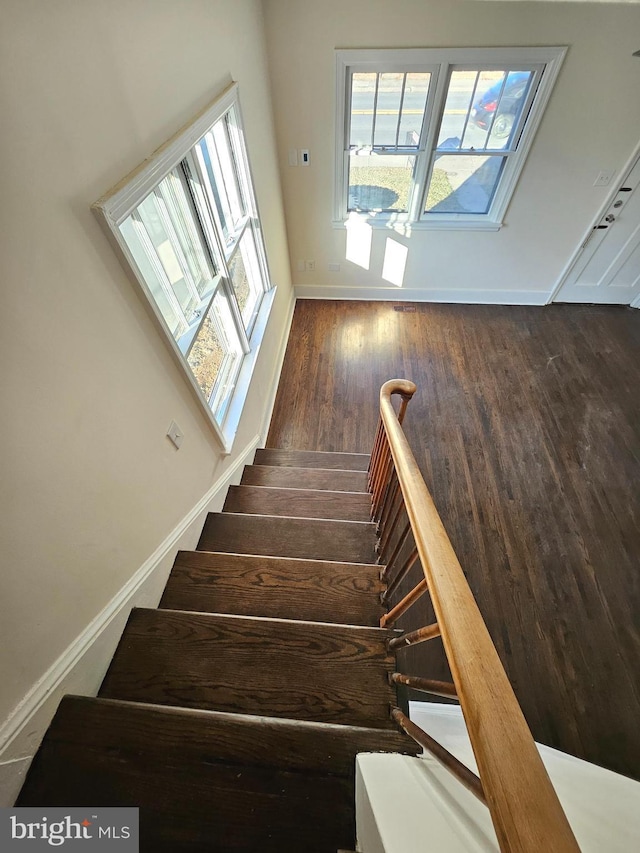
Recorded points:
404,227
243,382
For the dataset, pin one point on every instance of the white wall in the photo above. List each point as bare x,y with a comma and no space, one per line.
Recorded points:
90,484
397,797
592,123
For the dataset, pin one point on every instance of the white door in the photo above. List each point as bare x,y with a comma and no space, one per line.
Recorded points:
607,269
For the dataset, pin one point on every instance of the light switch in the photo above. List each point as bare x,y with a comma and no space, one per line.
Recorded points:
175,434
304,156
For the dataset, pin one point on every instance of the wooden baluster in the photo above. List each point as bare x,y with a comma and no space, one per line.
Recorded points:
395,613
383,455
399,576
389,528
415,637
384,466
375,453
396,551
385,481
384,494
427,685
393,488
459,770
376,459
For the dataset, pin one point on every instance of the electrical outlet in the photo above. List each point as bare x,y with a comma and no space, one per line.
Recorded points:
604,178
175,434
310,266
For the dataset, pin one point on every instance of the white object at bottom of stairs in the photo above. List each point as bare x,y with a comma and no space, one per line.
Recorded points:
414,805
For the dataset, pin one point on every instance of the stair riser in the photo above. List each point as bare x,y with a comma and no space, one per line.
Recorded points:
218,808
172,735
312,459
305,478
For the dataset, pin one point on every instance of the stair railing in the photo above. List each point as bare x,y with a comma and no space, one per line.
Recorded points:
513,782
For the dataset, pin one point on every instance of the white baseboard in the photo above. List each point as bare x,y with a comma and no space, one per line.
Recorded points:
12,774
465,296
81,667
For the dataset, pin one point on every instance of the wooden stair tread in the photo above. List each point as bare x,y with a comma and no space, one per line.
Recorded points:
312,459
301,503
271,667
305,478
282,536
279,587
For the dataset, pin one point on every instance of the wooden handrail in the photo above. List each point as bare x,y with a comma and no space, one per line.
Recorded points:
526,813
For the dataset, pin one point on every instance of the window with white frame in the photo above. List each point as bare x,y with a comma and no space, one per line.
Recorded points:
434,137
187,225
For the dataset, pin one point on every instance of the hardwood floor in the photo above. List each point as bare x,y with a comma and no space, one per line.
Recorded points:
526,426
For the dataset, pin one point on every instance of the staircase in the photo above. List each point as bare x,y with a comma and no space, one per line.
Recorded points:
232,714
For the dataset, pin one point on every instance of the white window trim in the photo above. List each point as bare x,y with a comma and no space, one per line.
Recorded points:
115,206
439,62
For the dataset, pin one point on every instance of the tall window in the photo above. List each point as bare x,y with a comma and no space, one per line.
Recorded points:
436,138
188,226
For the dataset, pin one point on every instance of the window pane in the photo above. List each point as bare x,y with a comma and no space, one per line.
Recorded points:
222,179
413,106
246,279
482,108
363,91
229,170
212,173
462,86
463,183
153,215
390,90
172,193
387,110
153,274
164,238
508,110
380,182
216,353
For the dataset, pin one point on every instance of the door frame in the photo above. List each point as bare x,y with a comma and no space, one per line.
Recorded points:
614,187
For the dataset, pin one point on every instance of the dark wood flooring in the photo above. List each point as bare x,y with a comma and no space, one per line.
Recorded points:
526,426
